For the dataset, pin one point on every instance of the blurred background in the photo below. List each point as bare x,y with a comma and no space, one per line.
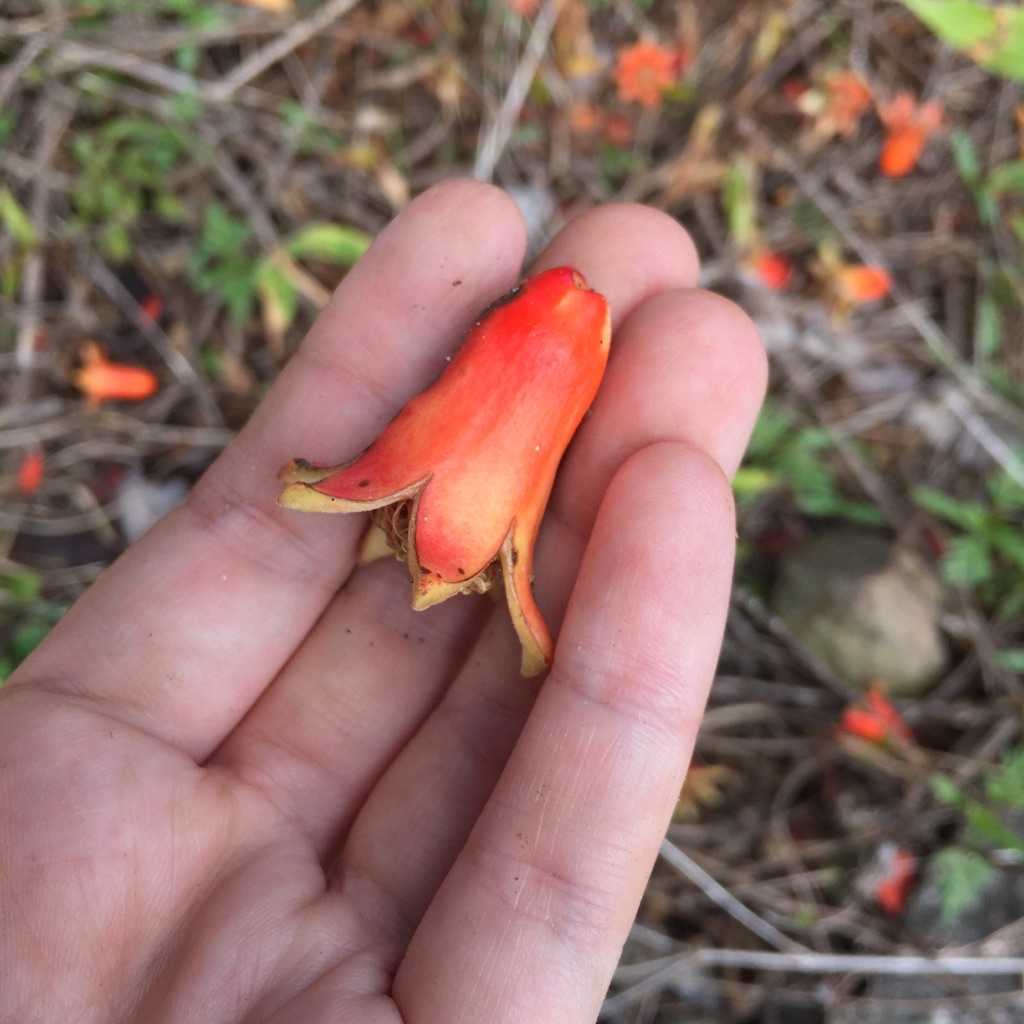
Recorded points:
183,183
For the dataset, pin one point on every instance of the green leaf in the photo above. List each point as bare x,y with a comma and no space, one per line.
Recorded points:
749,481
740,202
1011,658
334,243
991,35
967,515
222,233
960,875
116,243
986,828
961,23
212,362
1005,785
28,636
278,296
968,562
946,790
859,512
187,58
770,431
1009,541
1007,493
23,586
965,156
988,327
7,123
237,293
1006,179
16,220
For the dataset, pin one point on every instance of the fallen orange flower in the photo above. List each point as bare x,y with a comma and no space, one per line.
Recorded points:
770,268
30,473
645,71
584,117
103,381
847,97
900,867
875,719
856,284
457,483
151,307
909,127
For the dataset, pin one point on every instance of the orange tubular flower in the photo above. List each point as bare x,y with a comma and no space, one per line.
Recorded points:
857,284
770,269
30,473
645,71
838,104
458,481
875,719
105,381
909,127
892,889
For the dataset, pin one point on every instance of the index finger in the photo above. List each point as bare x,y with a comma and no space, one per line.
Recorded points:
186,629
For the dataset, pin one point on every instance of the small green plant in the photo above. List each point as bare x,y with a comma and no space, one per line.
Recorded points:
988,554
314,138
25,618
124,167
19,228
280,280
193,13
963,870
739,199
783,456
1002,182
999,196
990,34
224,262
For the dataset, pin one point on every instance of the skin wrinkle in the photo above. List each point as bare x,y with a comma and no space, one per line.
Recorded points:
264,537
374,590
248,956
539,891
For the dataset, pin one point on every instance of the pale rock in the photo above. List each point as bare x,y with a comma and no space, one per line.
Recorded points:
867,607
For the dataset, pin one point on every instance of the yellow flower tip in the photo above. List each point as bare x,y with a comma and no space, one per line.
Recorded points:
299,471
534,637
374,545
458,481
303,498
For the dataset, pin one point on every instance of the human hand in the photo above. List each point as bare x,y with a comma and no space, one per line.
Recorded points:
242,780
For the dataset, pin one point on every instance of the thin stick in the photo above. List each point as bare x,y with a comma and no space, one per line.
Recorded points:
496,138
839,963
691,870
55,120
26,55
268,55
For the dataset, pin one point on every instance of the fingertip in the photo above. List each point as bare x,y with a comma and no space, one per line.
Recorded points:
707,351
628,252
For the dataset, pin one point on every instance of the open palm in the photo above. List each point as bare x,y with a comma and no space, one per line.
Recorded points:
243,781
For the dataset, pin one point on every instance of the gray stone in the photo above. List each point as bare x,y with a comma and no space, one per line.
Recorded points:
866,606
